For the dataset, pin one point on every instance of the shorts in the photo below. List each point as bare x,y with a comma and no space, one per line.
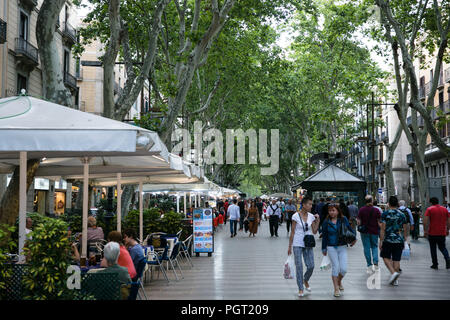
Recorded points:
392,251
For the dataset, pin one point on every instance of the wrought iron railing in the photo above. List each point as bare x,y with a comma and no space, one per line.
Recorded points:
27,49
70,80
70,32
3,31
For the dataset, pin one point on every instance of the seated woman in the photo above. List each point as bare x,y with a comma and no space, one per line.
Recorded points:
124,256
94,232
111,253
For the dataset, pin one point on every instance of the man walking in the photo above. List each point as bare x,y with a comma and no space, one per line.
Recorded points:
353,212
290,210
392,242
234,215
416,217
259,206
242,209
408,215
436,225
368,219
274,213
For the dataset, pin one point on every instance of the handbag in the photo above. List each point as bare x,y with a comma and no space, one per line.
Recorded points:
345,235
251,219
308,239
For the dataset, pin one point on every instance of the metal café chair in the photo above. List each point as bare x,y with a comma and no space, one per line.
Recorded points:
154,259
184,249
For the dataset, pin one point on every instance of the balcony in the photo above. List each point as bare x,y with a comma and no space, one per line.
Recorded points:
378,140
29,4
384,137
58,24
441,82
355,150
70,81
352,165
370,179
380,168
363,160
3,31
69,34
447,74
447,106
410,159
26,53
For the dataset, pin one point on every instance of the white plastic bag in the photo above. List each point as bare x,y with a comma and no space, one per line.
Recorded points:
326,263
406,253
289,268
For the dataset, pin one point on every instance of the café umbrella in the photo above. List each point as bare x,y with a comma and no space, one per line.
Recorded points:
32,128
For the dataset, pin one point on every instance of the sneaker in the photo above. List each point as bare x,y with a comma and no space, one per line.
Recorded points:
307,288
394,277
395,283
337,294
276,235
301,294
369,270
377,268
434,266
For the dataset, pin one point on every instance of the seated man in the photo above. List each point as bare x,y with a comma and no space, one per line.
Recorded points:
111,253
124,256
135,249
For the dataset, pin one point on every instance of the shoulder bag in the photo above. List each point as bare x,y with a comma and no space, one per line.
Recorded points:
308,239
345,235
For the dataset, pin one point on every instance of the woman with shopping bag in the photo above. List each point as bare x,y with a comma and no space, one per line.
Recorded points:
336,235
302,242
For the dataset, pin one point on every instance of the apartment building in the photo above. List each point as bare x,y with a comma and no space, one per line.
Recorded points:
19,58
437,165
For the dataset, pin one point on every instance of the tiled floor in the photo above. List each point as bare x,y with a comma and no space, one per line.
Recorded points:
251,268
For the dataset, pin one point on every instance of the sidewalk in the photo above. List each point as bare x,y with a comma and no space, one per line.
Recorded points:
244,268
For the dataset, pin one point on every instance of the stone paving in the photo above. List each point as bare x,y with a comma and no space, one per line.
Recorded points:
244,268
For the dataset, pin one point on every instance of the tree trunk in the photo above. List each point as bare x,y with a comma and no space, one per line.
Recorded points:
127,195
9,205
53,86
388,164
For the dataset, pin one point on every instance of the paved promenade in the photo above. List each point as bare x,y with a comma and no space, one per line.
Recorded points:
244,268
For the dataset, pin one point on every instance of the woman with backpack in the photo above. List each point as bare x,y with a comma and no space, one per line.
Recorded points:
335,238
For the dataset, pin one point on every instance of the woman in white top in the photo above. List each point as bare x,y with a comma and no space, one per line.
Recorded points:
303,223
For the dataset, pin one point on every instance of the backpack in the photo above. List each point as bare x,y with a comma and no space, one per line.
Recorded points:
405,212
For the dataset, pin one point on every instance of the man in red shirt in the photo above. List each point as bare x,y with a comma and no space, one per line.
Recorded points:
436,225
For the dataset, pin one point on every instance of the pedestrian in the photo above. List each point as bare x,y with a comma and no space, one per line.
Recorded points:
335,247
368,226
225,209
253,218
290,210
436,225
344,209
408,215
260,207
234,216
282,205
447,206
392,241
353,212
320,206
416,213
324,213
242,209
375,205
274,213
303,224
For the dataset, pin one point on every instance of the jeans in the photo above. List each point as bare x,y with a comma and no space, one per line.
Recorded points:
273,225
370,244
308,257
233,227
440,242
289,220
338,257
416,232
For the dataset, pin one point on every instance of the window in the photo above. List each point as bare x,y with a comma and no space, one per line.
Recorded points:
434,171
21,83
66,65
428,172
442,166
23,26
441,101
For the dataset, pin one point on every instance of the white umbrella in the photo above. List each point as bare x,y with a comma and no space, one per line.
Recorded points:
35,129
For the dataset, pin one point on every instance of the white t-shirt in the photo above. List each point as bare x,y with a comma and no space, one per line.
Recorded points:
233,212
299,232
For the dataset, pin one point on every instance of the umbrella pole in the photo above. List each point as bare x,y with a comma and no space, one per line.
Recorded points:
85,208
185,204
178,202
22,204
119,202
141,210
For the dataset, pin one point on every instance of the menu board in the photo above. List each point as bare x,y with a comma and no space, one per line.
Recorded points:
203,230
